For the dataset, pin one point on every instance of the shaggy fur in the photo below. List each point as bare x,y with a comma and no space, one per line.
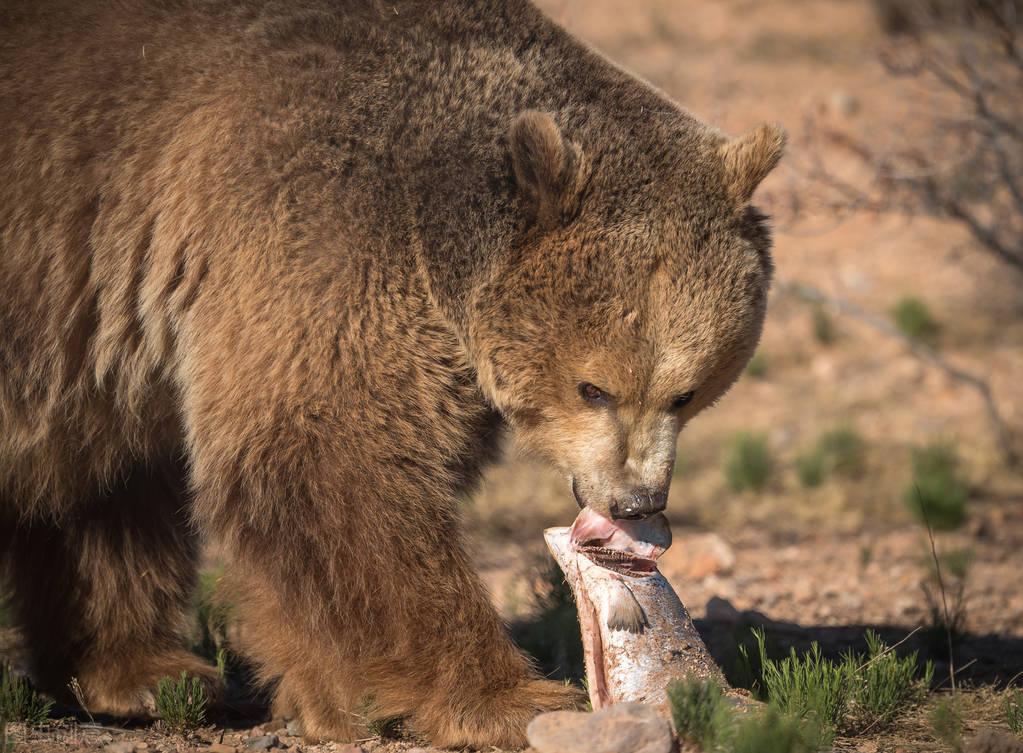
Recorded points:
284,270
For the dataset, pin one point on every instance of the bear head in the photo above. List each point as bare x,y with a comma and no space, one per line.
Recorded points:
633,301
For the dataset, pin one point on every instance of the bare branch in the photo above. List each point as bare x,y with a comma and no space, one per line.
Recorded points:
928,355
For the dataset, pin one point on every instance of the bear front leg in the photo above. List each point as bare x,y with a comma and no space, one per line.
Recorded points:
366,607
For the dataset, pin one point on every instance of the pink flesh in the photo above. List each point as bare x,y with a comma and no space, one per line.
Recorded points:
646,539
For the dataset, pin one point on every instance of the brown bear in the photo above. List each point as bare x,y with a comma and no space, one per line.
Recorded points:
278,274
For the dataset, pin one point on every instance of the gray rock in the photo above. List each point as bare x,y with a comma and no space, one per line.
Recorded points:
623,728
122,747
263,742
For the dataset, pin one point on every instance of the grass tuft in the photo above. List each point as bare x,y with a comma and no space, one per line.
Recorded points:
1012,707
840,450
748,462
947,724
884,685
701,713
824,330
811,468
19,702
774,732
181,703
914,319
807,687
938,494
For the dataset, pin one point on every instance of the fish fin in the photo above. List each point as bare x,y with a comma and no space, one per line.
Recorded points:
624,612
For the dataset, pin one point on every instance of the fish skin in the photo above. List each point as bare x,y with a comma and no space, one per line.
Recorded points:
624,665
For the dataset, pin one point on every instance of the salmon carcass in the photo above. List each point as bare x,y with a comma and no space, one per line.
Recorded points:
637,635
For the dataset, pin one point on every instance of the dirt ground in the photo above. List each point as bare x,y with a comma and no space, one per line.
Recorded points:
808,564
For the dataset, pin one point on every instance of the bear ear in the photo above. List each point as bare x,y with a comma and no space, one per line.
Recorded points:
550,170
750,157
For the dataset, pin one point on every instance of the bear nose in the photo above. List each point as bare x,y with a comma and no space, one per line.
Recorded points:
641,503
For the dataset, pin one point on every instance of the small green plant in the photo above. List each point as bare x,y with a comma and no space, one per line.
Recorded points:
1012,707
840,450
947,723
19,702
914,319
212,615
882,684
181,703
774,732
824,330
811,468
757,366
845,450
748,462
937,495
701,713
806,687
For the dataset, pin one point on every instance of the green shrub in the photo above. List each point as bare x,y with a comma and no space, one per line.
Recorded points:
938,494
212,615
947,724
1013,708
807,687
811,468
771,731
701,713
823,326
748,462
19,702
757,366
181,703
840,450
845,450
914,319
882,684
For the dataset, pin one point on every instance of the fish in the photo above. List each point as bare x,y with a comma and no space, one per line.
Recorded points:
637,634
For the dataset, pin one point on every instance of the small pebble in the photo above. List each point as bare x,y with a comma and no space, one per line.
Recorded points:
263,742
121,747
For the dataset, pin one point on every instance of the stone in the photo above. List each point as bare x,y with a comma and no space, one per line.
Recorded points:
351,748
624,727
722,610
263,742
221,748
124,746
990,740
294,728
707,554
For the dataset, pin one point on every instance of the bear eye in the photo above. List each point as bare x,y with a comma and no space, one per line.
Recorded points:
682,400
593,394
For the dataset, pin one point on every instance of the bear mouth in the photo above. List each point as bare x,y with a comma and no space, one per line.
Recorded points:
627,547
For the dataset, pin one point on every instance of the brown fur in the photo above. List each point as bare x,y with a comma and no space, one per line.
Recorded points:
322,252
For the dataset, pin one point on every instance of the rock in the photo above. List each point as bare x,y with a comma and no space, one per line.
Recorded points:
990,740
263,742
624,727
294,728
351,748
844,104
221,748
124,746
722,610
707,554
